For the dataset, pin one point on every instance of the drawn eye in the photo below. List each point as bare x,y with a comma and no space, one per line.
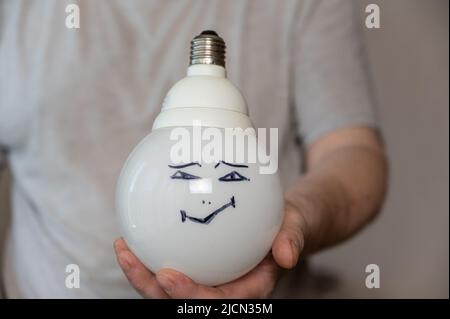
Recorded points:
233,177
183,175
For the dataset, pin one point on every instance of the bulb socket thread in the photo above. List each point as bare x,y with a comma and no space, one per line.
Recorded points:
208,48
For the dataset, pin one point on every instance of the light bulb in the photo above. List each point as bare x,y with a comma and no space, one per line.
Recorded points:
212,220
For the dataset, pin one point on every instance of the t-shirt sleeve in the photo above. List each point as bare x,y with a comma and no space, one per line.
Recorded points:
332,88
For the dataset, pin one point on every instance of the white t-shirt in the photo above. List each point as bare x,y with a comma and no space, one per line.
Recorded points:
74,102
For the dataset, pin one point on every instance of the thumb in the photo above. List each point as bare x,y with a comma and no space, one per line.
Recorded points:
289,242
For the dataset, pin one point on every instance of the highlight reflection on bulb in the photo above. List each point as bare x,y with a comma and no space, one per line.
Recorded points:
201,186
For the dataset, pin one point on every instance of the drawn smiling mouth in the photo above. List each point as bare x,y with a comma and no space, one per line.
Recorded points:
210,217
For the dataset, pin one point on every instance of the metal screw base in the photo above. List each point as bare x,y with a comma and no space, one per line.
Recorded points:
208,48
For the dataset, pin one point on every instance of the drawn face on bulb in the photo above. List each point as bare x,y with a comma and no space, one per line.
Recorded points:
202,186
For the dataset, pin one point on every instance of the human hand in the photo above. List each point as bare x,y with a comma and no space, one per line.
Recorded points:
258,283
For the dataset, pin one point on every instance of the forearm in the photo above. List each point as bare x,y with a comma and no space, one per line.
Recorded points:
341,192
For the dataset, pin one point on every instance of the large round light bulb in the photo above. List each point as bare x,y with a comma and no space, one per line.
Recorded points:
211,220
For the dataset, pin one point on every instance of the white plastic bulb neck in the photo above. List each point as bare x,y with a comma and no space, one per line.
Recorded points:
204,96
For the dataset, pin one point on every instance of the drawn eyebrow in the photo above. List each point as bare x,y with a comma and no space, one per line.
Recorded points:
184,165
229,164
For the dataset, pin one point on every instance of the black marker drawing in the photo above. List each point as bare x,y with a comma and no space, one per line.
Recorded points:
183,175
185,165
210,217
233,177
229,164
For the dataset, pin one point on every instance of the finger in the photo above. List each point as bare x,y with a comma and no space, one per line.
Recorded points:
180,286
289,242
258,283
142,279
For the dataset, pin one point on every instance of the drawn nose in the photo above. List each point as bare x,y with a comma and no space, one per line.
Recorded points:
205,202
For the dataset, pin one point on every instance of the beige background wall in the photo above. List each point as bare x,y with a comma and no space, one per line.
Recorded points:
410,240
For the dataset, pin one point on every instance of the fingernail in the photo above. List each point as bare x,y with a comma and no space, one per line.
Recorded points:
294,250
166,283
124,262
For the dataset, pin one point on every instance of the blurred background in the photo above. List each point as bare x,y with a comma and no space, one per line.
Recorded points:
410,240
